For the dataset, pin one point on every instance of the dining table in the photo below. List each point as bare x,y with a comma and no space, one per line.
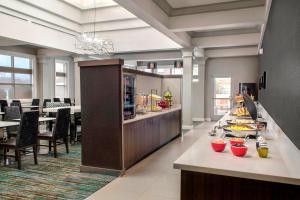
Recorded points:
74,109
41,119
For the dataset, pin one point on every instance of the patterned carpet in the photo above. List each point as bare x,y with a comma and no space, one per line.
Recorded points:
52,178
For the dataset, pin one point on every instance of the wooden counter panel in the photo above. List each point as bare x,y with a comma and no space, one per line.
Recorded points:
144,136
202,186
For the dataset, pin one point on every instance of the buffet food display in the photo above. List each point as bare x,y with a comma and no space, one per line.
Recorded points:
242,126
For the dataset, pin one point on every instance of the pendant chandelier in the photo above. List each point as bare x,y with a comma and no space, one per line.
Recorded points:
89,43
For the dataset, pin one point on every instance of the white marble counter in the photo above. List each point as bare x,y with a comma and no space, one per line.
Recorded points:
151,114
282,165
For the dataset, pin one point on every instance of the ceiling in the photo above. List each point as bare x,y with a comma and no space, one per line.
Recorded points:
87,4
57,24
224,25
191,3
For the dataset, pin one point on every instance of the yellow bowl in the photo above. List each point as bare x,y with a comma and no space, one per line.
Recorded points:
263,152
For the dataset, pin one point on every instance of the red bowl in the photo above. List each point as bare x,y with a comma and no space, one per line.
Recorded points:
218,147
239,142
239,151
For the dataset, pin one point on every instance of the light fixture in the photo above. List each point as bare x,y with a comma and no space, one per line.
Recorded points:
89,44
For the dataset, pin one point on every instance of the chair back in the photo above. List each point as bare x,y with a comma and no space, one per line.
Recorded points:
11,113
28,130
56,99
45,102
17,103
62,122
68,101
3,104
35,102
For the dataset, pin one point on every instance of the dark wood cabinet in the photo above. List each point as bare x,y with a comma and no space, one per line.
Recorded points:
145,136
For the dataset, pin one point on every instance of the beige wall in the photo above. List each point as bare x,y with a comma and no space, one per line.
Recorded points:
144,84
175,86
240,69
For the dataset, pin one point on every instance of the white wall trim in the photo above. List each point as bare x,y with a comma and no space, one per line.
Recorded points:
198,119
208,119
187,127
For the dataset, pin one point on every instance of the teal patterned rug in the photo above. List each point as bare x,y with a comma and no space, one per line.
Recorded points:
52,178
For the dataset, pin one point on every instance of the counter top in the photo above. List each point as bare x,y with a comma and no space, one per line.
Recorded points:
151,114
282,165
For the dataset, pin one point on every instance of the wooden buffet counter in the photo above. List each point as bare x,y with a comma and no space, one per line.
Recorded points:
146,133
110,144
208,175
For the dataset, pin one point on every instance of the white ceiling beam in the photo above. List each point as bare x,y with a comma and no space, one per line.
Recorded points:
141,39
227,40
106,14
38,14
231,52
238,18
149,12
57,7
35,34
115,25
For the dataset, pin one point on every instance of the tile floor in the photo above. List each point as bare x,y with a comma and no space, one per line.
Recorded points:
154,177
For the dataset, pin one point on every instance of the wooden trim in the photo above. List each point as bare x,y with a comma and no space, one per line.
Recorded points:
172,76
99,63
134,71
15,70
89,169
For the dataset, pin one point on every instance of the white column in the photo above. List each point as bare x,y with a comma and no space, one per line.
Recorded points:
77,80
198,92
187,55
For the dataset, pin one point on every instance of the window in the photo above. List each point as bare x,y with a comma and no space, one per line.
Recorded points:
195,73
15,77
222,95
177,71
61,89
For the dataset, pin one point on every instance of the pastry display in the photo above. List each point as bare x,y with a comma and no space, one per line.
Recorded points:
241,112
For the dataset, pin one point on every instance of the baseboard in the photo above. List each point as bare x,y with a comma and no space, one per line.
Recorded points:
198,119
208,119
187,127
99,170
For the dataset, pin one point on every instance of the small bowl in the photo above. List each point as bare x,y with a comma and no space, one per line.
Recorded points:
237,141
218,146
239,150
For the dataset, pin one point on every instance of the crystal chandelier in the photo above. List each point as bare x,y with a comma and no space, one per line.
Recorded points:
90,44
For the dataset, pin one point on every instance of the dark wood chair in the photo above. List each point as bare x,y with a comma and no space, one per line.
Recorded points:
68,101
26,137
59,135
56,99
45,102
35,102
11,113
17,103
3,104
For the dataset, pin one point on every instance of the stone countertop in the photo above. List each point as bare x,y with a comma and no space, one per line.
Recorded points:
151,114
282,165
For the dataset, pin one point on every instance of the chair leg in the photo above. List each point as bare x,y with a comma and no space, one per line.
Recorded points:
19,159
16,158
67,144
55,149
4,155
50,145
34,148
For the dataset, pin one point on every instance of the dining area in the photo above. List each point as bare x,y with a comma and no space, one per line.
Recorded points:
28,129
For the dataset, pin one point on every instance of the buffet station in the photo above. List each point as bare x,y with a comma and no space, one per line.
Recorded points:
245,156
130,115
